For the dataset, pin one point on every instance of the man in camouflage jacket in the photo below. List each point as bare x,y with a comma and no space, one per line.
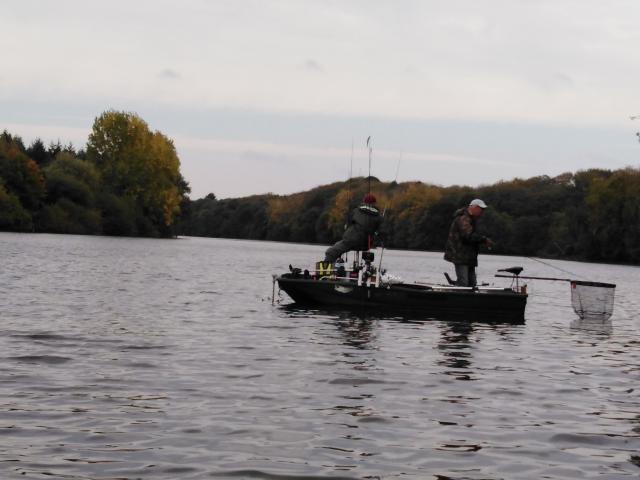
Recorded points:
364,223
463,243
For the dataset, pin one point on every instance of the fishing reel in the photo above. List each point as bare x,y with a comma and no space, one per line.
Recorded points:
367,269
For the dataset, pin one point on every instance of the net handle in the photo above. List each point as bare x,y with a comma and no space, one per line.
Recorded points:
536,278
573,282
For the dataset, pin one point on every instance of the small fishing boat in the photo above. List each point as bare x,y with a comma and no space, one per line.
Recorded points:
363,288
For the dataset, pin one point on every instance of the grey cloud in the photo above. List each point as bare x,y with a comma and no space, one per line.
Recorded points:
169,74
312,66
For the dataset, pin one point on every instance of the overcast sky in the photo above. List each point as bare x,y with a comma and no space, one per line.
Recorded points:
269,95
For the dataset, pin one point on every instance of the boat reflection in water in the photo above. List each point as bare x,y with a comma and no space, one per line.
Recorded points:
358,332
456,350
357,328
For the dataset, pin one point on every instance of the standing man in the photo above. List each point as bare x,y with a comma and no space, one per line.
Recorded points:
363,224
463,242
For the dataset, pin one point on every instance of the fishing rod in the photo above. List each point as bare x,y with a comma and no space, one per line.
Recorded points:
370,150
534,278
349,181
395,180
398,167
346,220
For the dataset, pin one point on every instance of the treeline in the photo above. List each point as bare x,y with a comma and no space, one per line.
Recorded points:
126,182
590,215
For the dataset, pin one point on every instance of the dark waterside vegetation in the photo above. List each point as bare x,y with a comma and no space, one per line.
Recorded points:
590,215
128,182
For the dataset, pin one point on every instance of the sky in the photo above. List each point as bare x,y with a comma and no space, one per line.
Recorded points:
281,95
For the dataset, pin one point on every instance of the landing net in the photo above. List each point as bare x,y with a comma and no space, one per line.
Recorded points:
592,300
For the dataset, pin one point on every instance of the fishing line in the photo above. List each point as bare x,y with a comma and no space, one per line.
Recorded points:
553,266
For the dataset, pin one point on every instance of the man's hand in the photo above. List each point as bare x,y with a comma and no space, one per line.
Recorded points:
489,243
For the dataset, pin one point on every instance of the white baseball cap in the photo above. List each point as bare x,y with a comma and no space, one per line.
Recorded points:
478,202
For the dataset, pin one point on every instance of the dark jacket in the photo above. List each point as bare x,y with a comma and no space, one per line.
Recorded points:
463,241
364,222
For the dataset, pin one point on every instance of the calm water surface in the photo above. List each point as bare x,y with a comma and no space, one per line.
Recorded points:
158,359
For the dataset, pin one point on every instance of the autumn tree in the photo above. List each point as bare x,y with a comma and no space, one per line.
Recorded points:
140,170
20,175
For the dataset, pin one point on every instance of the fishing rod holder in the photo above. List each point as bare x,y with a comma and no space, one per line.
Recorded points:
515,277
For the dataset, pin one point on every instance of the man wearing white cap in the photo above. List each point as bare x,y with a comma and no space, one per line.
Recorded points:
463,242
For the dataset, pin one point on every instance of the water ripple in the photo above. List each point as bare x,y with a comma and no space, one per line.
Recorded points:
149,359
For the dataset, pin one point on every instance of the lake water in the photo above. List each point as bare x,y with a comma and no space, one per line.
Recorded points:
128,358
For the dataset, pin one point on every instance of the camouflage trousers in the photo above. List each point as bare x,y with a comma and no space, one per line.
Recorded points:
332,253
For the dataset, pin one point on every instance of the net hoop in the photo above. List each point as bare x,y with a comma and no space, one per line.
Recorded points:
592,300
592,284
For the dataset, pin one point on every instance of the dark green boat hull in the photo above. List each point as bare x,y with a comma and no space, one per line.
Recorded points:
489,305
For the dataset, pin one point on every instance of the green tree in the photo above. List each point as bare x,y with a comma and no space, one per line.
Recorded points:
140,166
13,216
72,186
614,212
38,152
70,177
